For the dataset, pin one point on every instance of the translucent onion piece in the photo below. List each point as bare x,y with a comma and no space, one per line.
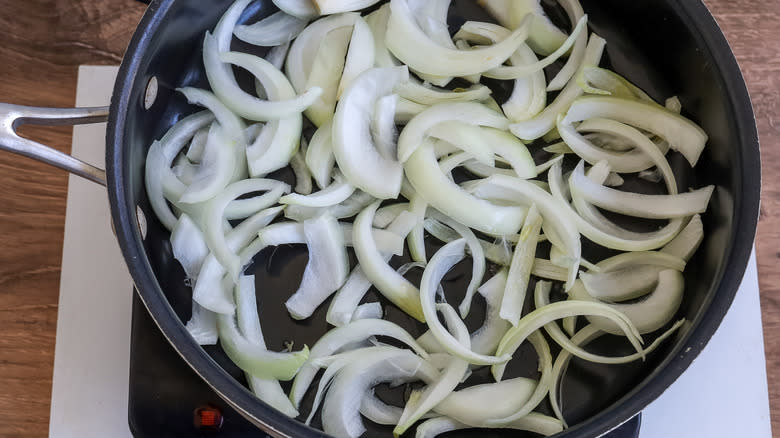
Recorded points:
377,21
641,205
544,315
326,270
317,57
350,207
319,155
426,177
416,238
277,55
450,377
406,110
544,37
340,410
478,265
597,80
337,338
301,171
197,145
389,283
254,359
223,81
497,33
520,269
649,314
299,8
188,246
431,17
248,320
353,146
464,112
572,66
558,227
383,129
360,56
533,422
473,405
280,138
209,291
449,255
687,242
389,213
368,311
683,135
202,325
428,95
411,45
582,338
521,409
327,7
482,142
214,217
645,155
337,192
346,300
276,29
543,122
673,104
627,241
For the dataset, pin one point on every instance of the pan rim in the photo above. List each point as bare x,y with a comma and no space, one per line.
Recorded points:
747,198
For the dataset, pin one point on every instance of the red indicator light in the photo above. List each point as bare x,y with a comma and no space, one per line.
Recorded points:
208,417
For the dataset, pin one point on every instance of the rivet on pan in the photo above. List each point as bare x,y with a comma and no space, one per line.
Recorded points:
139,215
151,92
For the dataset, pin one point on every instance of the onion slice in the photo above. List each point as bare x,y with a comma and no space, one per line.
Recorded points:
276,29
353,147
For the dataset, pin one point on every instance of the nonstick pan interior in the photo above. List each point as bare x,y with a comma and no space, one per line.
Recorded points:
653,43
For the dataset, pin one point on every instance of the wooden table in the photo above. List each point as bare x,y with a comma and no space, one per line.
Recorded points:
44,41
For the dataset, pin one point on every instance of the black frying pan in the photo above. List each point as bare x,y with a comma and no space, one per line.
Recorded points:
667,47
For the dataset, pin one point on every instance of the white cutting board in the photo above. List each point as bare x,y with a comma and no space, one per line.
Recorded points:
722,395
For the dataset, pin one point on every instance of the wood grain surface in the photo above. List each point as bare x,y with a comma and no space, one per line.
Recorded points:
44,42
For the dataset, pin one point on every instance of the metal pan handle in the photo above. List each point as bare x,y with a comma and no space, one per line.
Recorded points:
13,116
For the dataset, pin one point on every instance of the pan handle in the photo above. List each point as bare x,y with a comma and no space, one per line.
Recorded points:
12,116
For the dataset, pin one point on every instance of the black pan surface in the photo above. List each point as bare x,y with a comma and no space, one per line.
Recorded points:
666,47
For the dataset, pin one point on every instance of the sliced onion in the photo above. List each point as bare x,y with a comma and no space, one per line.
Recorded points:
202,325
327,7
625,241
284,233
543,122
326,270
389,283
276,29
412,46
449,255
450,377
277,55
304,9
319,155
248,320
428,95
687,242
368,311
464,112
641,205
340,410
280,138
533,422
383,129
683,135
349,208
647,315
576,15
544,36
519,274
360,56
302,175
353,146
583,337
377,21
333,194
426,177
189,246
209,291
337,338
544,315
406,110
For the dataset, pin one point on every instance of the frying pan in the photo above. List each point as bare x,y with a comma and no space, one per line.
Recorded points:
667,47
